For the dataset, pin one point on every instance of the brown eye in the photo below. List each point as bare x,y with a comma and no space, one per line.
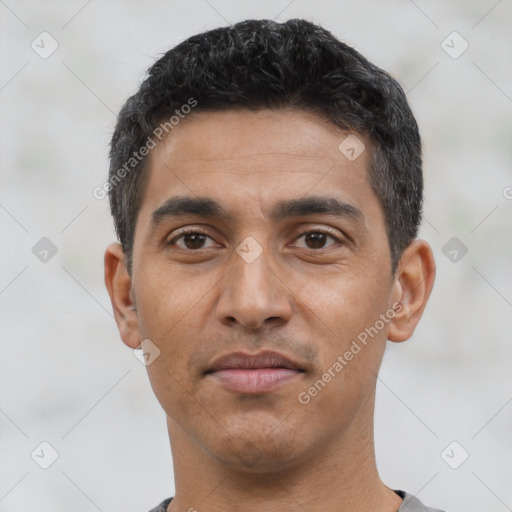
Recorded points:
316,239
191,241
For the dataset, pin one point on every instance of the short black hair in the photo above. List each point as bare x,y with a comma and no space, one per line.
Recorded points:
262,64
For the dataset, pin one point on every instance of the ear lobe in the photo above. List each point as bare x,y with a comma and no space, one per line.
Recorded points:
413,284
119,286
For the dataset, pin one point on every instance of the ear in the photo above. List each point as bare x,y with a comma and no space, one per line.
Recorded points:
413,283
119,285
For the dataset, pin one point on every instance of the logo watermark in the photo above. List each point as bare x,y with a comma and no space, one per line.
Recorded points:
139,155
305,397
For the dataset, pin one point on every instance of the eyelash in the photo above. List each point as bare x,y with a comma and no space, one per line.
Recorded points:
197,232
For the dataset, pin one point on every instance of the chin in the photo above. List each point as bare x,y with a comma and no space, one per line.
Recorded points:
260,449
251,459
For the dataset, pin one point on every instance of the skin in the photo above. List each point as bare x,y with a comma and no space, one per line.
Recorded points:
307,299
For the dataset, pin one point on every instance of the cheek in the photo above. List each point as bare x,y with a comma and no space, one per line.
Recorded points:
178,337
341,303
170,302
173,392
341,312
170,314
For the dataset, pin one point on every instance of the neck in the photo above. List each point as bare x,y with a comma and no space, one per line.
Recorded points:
341,476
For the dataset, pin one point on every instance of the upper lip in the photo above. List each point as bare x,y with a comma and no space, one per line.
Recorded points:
240,360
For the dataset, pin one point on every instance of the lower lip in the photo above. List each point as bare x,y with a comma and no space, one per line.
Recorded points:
258,380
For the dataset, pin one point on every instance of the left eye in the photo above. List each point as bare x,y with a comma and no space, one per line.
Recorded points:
316,239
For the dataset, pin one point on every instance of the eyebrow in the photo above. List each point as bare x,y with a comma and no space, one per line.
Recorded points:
180,206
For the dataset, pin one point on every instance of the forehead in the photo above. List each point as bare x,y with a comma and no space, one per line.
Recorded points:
250,160
242,134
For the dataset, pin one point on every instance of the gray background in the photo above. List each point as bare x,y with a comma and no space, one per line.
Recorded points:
65,376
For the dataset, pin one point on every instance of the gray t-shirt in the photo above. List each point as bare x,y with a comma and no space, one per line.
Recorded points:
409,504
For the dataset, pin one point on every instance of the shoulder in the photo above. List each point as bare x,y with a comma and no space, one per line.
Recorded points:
162,507
409,504
412,504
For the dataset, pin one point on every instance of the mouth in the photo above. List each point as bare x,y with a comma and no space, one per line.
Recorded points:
253,374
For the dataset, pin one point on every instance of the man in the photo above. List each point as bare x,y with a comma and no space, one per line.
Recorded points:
266,189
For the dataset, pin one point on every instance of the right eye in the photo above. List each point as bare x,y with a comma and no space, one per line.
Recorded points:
190,240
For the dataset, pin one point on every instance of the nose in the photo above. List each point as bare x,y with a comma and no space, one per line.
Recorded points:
254,294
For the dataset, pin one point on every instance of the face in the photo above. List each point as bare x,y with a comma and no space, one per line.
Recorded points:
259,240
